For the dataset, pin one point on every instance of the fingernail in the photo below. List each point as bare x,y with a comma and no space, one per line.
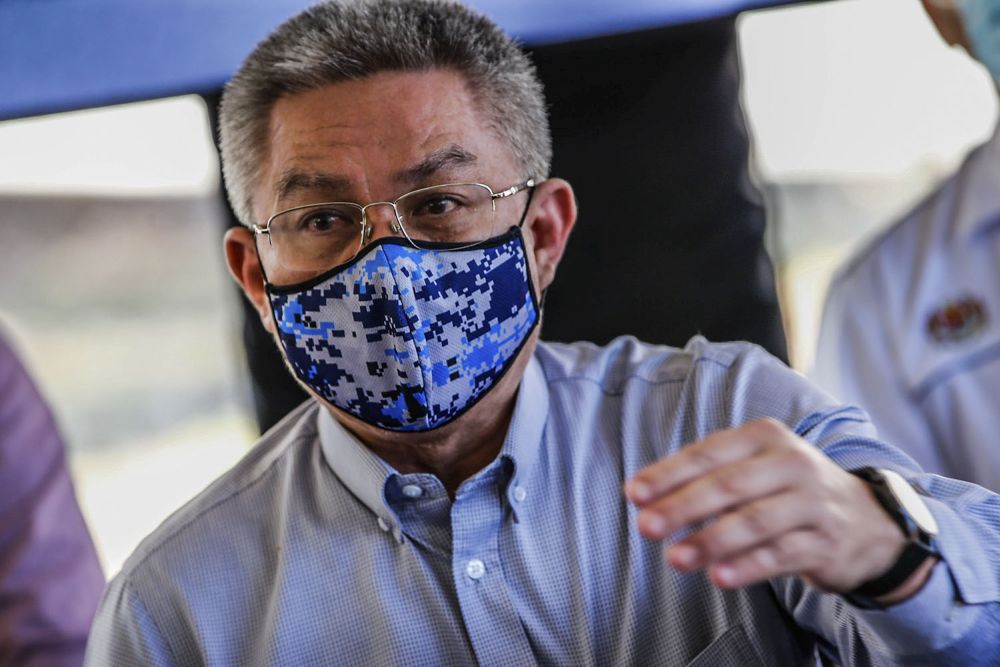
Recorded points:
682,555
638,491
654,524
725,575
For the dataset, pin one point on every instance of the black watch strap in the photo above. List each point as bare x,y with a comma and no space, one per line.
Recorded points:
910,560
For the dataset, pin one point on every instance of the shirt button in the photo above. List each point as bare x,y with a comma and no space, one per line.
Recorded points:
412,491
475,569
519,493
383,524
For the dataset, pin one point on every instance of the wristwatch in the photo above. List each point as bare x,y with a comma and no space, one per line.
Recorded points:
905,506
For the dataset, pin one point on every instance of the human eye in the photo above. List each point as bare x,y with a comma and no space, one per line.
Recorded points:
324,221
438,204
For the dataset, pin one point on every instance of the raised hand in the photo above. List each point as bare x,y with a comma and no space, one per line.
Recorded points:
774,505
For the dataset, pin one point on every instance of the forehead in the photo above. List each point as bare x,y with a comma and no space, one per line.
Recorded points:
366,132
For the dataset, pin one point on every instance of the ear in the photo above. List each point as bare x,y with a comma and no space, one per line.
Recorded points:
550,219
244,265
945,17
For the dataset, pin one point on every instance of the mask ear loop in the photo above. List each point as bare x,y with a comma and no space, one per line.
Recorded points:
260,262
524,216
520,225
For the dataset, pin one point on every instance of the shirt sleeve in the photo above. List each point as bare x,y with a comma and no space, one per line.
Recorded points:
125,633
50,577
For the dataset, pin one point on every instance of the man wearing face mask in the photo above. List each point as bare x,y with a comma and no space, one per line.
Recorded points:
459,492
911,329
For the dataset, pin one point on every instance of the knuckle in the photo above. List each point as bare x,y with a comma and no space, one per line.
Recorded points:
801,463
701,458
828,519
764,560
651,472
769,428
671,513
712,540
788,548
824,552
645,477
756,520
730,483
806,459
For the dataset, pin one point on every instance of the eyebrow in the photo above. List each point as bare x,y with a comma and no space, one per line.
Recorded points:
440,160
293,180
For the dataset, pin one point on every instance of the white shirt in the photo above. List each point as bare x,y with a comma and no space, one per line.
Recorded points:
932,387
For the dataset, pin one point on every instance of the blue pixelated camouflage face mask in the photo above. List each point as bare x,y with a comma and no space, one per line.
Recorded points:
408,339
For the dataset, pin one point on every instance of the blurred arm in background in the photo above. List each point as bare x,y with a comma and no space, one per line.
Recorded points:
50,578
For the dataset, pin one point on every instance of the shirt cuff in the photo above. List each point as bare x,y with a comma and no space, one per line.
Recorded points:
930,620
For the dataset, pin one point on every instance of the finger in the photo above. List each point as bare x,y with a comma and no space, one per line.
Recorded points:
719,490
737,532
694,460
795,552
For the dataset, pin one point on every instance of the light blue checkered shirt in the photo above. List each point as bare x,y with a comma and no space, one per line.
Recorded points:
312,551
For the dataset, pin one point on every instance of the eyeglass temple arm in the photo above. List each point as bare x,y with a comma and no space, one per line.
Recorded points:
514,189
261,231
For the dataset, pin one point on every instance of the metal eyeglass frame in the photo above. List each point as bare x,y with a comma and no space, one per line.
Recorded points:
398,226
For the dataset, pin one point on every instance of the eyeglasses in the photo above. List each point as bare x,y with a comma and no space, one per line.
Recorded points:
315,237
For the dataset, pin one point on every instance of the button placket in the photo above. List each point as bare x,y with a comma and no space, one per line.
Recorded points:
475,569
492,623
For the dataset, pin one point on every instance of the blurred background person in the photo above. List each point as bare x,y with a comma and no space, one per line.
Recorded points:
911,328
50,579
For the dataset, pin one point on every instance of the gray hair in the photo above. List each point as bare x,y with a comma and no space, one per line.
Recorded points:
352,39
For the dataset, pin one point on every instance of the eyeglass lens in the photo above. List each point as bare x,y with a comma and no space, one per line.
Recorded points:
313,238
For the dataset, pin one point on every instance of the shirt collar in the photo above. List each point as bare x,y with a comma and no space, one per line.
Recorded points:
358,468
365,475
978,200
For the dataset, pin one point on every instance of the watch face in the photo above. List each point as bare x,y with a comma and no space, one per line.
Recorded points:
910,501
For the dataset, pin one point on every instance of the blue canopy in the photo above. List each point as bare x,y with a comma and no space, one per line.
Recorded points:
57,55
